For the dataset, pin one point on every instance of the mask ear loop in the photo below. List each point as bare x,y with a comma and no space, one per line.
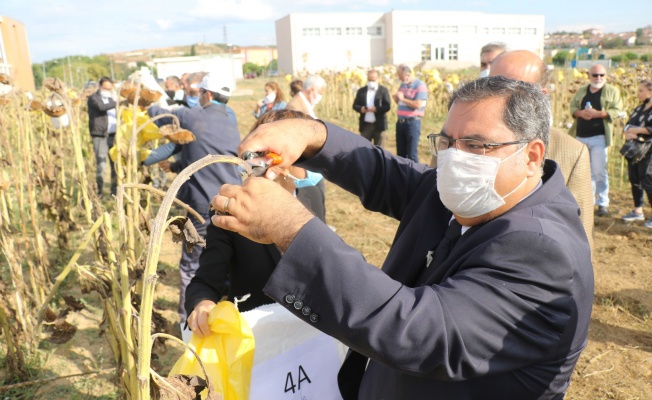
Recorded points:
524,179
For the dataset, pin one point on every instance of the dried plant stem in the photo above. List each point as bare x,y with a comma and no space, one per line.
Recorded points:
149,274
64,273
162,194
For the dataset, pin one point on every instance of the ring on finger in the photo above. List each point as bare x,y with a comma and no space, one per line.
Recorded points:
226,205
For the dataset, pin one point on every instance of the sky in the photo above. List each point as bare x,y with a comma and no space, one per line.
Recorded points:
57,28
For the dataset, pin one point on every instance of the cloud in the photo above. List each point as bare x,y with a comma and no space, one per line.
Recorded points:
241,10
163,23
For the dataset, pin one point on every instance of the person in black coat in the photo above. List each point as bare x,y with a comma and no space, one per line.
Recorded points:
372,102
102,126
232,265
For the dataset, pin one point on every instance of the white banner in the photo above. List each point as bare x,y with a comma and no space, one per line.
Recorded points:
305,372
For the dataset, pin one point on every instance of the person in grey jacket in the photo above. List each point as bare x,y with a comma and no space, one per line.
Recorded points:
102,125
214,134
487,289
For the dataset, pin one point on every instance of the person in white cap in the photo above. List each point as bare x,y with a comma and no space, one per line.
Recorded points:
215,134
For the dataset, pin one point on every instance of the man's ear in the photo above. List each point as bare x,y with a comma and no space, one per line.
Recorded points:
535,151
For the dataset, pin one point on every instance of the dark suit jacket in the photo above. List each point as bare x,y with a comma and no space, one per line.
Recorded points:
505,316
98,120
381,102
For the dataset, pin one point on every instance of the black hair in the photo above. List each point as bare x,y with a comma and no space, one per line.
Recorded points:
105,79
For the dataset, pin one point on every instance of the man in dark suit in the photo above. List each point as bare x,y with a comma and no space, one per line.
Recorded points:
372,102
102,126
487,289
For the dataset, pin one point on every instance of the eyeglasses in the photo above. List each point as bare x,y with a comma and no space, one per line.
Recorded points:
440,141
596,75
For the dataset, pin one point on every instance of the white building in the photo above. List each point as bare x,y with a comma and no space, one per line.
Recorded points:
336,41
227,65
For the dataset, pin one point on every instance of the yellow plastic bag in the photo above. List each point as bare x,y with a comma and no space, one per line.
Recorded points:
227,354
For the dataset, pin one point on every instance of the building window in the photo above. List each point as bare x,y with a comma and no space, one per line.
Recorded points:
498,30
530,31
426,53
410,29
514,31
438,54
357,31
375,30
452,52
438,29
310,31
332,31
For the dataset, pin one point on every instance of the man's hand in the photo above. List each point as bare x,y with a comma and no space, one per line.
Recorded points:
164,165
260,210
198,319
289,138
371,109
400,96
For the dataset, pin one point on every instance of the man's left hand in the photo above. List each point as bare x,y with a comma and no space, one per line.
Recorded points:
260,210
164,165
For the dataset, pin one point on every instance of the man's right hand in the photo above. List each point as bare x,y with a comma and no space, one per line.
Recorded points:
289,138
198,319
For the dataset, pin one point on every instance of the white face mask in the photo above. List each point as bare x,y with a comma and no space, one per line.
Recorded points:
316,100
270,97
465,182
372,85
484,73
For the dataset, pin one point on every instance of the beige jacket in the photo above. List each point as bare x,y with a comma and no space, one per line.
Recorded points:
573,159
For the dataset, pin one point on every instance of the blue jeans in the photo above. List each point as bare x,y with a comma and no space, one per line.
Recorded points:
598,151
407,138
190,261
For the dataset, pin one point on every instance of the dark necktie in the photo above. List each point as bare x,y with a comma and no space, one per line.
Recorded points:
453,233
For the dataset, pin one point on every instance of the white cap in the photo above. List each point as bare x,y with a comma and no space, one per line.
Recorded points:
215,85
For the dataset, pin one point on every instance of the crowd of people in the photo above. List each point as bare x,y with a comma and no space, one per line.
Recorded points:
490,271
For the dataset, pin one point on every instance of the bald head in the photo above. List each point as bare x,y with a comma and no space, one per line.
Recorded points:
521,65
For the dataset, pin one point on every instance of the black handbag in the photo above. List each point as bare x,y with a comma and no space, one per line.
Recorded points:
635,150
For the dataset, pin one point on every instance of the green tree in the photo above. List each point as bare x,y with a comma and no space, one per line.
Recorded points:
249,67
560,58
646,57
617,58
630,55
37,70
613,43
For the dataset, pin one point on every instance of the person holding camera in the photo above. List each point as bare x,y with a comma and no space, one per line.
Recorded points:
273,100
638,131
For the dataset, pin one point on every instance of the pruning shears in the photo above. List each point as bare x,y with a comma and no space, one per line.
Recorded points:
259,162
